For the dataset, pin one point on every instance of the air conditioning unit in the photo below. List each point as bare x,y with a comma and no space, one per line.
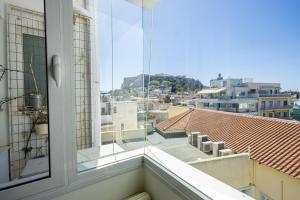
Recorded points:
225,152
195,138
207,146
217,146
201,138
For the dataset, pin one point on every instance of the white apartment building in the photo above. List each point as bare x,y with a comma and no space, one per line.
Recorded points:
241,96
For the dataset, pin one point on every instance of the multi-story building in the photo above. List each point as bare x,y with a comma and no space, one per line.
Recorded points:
229,105
117,119
278,106
245,96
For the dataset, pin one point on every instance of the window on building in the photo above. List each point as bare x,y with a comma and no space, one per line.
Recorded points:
270,104
270,115
285,103
278,103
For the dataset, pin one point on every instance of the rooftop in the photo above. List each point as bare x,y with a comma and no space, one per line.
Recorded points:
272,142
177,147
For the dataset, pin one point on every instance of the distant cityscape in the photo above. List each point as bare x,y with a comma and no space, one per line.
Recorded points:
229,127
235,95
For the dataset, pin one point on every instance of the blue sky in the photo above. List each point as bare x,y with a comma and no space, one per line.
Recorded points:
201,38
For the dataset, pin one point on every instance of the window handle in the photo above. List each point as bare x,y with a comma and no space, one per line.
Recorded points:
56,70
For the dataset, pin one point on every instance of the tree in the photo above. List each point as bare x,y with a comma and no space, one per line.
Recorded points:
178,88
167,99
155,82
150,116
166,83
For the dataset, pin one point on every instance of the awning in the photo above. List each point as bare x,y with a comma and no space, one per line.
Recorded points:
212,91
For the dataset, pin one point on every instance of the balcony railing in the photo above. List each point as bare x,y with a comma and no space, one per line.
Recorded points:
247,96
275,107
274,95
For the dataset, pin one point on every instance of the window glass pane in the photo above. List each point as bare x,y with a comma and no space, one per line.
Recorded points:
82,81
108,50
24,133
202,80
220,73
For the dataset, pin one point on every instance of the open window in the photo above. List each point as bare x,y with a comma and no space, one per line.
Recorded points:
28,96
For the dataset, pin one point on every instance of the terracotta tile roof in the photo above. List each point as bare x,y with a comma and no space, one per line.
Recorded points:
273,142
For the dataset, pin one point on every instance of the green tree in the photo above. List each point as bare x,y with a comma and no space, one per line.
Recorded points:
155,82
167,99
178,88
150,116
166,83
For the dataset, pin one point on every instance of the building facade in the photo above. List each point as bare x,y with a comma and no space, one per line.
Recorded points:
245,96
277,106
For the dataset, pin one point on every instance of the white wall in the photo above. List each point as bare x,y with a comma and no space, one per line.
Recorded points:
275,184
233,170
158,189
125,185
115,188
126,114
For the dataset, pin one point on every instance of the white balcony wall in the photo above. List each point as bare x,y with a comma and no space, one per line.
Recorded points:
157,188
233,170
124,185
117,187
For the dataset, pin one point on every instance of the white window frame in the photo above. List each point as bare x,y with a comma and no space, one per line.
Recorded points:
64,176
58,16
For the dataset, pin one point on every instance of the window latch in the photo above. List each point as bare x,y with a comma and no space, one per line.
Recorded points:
56,70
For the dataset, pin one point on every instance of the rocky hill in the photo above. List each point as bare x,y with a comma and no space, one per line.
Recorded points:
177,83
